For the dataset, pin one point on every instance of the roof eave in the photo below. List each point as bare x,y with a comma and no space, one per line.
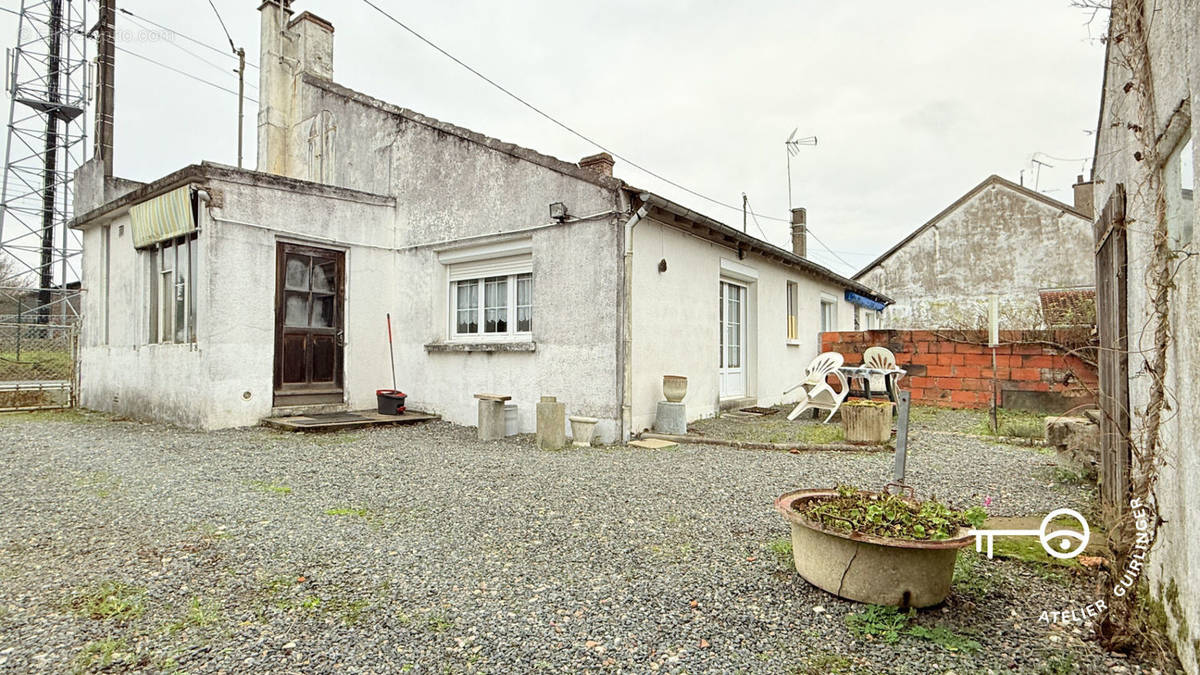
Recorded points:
760,247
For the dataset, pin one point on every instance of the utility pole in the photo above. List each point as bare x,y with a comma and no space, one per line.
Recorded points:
106,86
241,71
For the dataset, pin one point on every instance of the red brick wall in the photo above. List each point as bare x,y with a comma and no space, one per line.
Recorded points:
946,372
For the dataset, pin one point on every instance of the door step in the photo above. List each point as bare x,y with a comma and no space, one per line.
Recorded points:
310,409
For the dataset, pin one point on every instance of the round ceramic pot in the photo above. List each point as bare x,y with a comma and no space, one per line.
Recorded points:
674,387
900,572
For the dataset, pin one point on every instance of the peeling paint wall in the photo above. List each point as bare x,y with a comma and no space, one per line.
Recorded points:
1175,64
997,241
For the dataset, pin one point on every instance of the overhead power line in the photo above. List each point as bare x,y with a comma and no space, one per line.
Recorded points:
555,121
181,72
193,40
196,56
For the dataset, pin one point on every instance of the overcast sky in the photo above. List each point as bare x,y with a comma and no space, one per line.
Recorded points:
912,103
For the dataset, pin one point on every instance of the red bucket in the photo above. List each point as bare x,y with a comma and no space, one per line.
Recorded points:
391,402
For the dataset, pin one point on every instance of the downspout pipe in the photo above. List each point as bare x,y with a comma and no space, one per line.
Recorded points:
627,332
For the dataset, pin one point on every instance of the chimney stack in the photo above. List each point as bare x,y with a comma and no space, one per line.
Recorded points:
288,49
1084,197
800,232
600,163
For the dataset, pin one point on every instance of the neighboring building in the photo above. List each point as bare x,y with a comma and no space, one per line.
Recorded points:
1125,165
218,296
999,238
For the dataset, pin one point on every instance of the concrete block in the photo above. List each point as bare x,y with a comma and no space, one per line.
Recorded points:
551,424
491,419
671,418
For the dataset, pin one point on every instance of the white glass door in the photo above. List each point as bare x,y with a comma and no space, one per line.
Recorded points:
733,340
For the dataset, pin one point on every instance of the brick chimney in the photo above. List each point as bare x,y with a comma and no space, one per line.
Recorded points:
800,232
288,49
600,163
1084,199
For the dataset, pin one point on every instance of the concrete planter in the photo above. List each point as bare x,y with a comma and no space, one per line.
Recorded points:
864,568
674,388
866,423
582,430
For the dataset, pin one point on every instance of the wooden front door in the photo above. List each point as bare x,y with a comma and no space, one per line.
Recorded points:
1111,307
309,298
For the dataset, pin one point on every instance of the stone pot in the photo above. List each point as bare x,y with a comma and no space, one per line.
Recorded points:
582,430
674,387
866,423
900,572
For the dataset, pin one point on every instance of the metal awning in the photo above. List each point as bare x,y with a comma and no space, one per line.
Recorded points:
863,301
164,217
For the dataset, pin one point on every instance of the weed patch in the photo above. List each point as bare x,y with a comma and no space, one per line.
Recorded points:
889,624
109,600
200,613
270,488
100,483
782,548
356,511
102,654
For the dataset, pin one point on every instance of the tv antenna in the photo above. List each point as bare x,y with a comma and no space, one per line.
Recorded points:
793,148
1037,177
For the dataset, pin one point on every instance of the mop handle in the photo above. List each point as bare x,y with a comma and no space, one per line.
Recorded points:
391,353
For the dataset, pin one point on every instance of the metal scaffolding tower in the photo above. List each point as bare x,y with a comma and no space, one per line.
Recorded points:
46,76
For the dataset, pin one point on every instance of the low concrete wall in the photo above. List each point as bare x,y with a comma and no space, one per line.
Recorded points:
955,370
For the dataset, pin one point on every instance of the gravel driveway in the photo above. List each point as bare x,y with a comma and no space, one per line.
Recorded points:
423,549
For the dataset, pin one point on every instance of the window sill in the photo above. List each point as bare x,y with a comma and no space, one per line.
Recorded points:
528,346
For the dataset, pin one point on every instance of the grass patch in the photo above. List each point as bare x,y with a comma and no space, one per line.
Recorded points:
782,548
824,662
200,613
439,622
100,483
335,438
102,654
209,531
768,429
109,600
36,364
1063,664
271,488
889,624
356,511
970,578
1013,423
944,638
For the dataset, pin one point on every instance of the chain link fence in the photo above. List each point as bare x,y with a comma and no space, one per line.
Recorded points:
37,366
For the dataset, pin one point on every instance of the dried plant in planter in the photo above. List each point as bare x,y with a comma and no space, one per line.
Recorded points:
888,515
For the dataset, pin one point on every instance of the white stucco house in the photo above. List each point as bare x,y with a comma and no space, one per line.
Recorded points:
998,238
218,296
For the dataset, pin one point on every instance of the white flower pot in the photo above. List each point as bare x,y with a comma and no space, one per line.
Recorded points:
582,430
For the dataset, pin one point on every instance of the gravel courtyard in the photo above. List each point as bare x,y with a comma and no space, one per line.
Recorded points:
422,549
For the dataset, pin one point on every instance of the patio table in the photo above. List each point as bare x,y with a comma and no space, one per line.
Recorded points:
864,375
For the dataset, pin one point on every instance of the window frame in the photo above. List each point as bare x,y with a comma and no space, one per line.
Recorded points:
164,315
510,334
792,310
831,302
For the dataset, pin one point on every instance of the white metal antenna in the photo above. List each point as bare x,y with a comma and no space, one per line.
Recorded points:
793,148
1037,177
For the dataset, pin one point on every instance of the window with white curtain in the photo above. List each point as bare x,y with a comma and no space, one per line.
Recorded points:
490,292
172,290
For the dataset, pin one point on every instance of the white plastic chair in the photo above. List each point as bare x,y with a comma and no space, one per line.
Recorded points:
816,391
882,358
